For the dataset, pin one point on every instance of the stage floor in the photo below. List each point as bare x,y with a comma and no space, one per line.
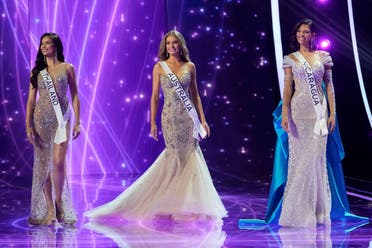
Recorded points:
248,200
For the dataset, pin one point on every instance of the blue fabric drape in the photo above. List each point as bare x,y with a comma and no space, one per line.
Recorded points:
335,153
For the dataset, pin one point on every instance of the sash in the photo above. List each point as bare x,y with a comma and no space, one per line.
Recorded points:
61,135
320,107
198,127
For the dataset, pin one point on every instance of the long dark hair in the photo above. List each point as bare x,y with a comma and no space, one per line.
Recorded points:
293,40
40,63
184,51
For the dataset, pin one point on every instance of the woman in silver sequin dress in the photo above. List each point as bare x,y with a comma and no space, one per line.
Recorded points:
307,199
50,196
178,184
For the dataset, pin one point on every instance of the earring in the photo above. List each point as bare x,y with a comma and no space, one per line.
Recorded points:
166,54
313,44
44,59
181,52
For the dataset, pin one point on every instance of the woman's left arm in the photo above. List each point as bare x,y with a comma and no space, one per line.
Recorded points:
75,99
195,98
331,97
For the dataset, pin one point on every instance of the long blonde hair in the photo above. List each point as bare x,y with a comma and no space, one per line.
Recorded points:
184,52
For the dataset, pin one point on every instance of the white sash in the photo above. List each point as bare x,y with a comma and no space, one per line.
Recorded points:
61,135
320,107
198,127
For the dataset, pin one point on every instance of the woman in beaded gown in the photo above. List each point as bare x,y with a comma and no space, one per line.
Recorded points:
307,197
178,183
307,185
50,196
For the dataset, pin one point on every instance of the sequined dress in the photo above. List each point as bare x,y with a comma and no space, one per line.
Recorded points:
45,124
307,197
178,183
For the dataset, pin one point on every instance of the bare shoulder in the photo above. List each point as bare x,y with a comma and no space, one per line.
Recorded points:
69,67
191,66
157,68
69,70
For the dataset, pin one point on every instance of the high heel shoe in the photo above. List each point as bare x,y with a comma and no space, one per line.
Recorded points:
60,213
49,219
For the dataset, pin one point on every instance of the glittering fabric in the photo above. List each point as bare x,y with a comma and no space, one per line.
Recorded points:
178,183
45,124
176,124
307,199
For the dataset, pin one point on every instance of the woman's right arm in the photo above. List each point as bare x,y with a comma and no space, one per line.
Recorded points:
155,100
287,94
29,113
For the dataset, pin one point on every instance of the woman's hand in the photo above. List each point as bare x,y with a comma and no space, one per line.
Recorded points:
331,123
30,135
154,132
206,128
285,122
76,131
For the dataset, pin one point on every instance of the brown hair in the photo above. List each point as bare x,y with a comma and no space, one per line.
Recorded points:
184,52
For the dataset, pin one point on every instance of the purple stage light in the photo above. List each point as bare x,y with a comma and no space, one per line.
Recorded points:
325,44
112,48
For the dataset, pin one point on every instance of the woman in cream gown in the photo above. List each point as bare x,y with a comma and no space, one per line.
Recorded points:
178,184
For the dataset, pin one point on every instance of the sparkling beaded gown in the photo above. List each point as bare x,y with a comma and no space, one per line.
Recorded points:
45,125
307,198
178,183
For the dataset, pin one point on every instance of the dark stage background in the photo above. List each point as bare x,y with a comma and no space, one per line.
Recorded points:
113,46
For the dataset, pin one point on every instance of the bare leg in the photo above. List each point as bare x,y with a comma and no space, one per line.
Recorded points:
59,173
51,215
59,168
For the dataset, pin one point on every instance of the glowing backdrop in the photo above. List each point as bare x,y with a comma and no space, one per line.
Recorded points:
113,45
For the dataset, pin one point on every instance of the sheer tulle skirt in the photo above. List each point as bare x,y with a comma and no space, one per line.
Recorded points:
174,185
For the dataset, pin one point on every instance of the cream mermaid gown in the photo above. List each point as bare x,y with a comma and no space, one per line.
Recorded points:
178,182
